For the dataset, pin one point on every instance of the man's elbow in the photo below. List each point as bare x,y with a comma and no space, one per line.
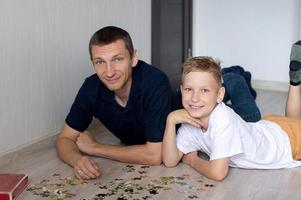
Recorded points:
58,146
152,154
57,141
154,160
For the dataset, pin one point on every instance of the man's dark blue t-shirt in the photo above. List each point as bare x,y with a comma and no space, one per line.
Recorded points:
143,119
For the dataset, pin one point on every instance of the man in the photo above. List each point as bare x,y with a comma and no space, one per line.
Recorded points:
131,98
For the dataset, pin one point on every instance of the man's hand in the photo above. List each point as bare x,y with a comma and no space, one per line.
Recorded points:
86,143
67,149
182,116
86,168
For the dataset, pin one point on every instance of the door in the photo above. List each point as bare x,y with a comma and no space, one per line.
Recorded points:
171,36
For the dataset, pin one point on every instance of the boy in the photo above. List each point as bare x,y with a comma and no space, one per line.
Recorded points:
210,126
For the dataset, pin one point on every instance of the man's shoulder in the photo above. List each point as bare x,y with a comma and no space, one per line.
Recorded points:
91,85
93,79
149,71
150,75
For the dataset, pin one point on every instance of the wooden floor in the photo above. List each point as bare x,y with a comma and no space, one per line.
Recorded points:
119,180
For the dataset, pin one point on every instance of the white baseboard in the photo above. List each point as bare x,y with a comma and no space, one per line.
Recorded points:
41,142
44,141
270,85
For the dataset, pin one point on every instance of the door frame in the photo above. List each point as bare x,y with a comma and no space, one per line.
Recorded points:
155,28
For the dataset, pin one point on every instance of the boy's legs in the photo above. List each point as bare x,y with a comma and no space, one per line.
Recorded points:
292,127
295,64
293,103
245,74
242,101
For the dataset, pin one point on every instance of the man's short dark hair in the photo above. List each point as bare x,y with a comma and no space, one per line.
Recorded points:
110,34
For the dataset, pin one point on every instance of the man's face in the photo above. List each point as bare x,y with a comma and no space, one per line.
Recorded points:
200,94
113,65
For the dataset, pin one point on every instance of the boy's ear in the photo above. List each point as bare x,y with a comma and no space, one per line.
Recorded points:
221,94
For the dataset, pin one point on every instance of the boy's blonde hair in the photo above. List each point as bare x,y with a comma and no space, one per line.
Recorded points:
203,64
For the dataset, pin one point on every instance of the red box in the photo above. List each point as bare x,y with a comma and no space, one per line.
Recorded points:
11,185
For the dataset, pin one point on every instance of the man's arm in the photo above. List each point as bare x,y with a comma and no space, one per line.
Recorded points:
146,154
213,169
84,167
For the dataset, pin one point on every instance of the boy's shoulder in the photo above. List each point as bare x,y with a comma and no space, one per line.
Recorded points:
221,110
223,115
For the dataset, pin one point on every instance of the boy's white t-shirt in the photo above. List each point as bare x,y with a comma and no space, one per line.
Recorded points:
260,145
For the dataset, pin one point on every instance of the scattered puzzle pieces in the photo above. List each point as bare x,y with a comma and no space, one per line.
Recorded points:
139,187
55,190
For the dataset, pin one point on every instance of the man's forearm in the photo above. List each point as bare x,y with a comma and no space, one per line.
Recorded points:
138,154
67,150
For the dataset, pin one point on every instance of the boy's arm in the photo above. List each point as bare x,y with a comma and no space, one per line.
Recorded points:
213,169
171,154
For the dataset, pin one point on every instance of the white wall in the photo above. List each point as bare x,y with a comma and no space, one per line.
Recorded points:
44,59
254,34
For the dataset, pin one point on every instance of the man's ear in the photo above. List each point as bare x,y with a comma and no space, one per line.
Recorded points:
221,94
92,63
135,58
181,88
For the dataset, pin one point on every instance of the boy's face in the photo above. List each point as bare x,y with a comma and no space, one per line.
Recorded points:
200,94
113,65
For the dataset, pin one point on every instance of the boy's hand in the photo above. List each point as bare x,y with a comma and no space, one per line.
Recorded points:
188,158
182,116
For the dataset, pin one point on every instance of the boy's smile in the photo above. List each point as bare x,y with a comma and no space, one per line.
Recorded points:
200,94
